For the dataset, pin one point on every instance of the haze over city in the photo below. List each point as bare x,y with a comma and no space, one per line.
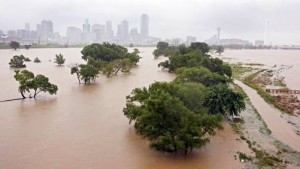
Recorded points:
168,19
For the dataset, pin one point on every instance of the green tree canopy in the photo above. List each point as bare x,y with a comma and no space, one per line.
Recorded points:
14,44
220,49
17,61
110,58
221,99
170,119
29,83
216,65
203,47
200,75
59,59
87,73
105,52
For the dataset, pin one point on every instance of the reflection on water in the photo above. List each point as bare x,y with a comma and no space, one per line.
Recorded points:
83,126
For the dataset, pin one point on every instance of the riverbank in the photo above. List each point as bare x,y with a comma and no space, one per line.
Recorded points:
273,141
258,78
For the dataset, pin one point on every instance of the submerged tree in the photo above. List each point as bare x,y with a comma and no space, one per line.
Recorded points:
203,47
221,99
200,75
14,45
161,49
170,119
17,61
220,49
29,83
59,59
27,46
27,60
87,73
36,60
75,70
110,58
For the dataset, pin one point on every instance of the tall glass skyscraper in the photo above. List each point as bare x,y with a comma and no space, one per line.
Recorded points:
144,26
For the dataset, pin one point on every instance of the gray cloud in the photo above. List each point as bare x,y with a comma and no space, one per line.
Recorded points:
168,18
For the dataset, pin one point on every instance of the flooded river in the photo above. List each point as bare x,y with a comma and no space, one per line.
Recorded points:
271,58
83,126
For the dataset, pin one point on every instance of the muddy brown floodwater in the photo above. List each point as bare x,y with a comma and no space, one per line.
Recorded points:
83,126
279,127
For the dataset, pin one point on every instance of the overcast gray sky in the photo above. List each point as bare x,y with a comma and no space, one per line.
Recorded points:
168,18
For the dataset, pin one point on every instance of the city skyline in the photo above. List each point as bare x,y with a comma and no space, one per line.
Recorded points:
238,19
45,33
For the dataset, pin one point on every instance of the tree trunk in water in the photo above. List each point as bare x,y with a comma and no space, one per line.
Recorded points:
34,94
23,95
119,68
78,77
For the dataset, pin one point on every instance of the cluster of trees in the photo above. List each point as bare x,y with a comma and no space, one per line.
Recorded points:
196,56
18,61
181,115
172,116
15,45
29,83
106,58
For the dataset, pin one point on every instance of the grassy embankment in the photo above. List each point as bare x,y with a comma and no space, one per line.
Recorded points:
238,73
262,92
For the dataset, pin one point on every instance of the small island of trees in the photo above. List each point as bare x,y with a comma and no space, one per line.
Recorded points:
18,61
106,58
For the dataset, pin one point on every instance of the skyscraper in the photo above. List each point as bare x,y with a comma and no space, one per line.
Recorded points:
86,31
120,32
74,35
144,26
86,27
27,31
27,27
45,30
134,34
219,34
125,28
109,31
98,32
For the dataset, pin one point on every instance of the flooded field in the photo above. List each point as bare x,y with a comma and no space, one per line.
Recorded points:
83,126
271,58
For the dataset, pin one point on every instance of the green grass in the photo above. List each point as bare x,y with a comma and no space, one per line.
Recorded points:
238,70
243,156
